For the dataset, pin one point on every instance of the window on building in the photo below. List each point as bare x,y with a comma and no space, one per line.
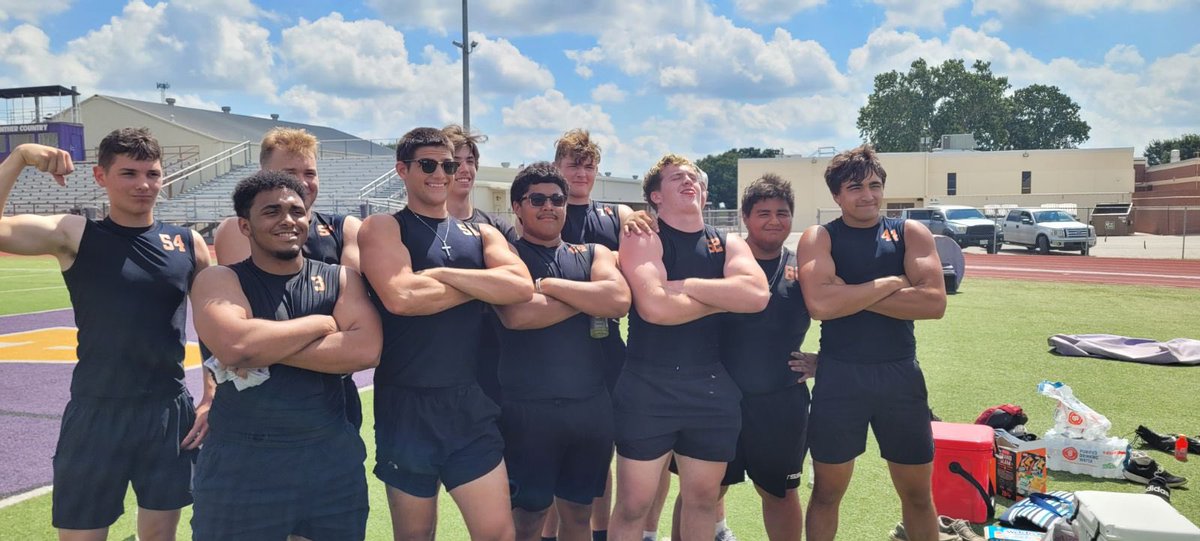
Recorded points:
951,183
49,139
1026,182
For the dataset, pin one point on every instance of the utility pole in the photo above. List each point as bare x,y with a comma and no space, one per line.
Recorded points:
467,48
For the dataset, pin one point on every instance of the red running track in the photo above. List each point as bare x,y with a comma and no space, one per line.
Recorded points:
1086,269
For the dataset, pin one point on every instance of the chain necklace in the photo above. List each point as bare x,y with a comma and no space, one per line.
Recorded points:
445,243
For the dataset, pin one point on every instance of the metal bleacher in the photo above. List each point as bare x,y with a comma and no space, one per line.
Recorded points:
342,182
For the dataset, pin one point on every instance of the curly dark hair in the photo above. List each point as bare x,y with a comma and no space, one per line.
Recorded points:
535,173
769,186
249,188
854,165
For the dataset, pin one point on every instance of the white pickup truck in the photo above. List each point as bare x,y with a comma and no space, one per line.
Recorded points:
1047,229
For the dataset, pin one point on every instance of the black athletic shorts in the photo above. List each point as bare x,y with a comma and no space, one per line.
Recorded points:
890,397
614,354
427,435
557,448
691,410
105,444
250,492
771,446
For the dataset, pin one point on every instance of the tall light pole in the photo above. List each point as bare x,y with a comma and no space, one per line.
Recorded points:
467,48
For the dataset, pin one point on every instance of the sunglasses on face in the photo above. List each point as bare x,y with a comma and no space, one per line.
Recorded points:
429,166
539,199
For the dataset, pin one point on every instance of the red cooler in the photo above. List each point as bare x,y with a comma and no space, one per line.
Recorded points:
963,470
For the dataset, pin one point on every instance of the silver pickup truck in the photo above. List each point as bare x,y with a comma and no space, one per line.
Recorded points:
1044,229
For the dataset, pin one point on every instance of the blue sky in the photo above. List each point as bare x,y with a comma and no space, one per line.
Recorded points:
687,76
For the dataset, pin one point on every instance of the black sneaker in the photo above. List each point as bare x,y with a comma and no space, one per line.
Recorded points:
1165,444
1194,445
1158,487
1140,468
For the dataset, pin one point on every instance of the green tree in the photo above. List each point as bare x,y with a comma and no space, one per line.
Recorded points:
1044,117
722,173
1159,151
951,98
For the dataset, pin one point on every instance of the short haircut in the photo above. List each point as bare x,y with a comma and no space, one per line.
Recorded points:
854,165
459,137
416,138
535,173
290,140
769,186
263,181
137,143
577,143
653,180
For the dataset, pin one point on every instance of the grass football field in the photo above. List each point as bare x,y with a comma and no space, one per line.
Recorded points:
989,349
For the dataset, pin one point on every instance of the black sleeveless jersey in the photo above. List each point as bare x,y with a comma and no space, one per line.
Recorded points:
326,238
595,222
437,350
862,255
686,255
502,225
756,347
562,360
294,404
128,288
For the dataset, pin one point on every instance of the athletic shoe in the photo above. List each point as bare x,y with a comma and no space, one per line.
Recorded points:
898,534
959,528
1153,440
1158,487
1194,445
1140,468
726,535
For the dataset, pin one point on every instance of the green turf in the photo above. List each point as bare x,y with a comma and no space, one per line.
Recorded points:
989,349
30,284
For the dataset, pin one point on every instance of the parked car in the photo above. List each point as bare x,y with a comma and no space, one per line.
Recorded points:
966,225
1047,229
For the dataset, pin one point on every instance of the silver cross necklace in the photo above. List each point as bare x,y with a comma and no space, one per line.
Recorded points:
445,243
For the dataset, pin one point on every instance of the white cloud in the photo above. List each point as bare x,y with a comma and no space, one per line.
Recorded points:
773,11
552,111
1009,8
31,10
916,13
991,26
537,17
608,92
1124,56
191,47
25,53
498,67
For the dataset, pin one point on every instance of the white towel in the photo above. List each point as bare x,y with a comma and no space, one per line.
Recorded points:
254,376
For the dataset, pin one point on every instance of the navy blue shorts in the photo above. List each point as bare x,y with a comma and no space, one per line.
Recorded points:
104,445
890,397
771,447
251,492
557,448
614,354
691,410
426,436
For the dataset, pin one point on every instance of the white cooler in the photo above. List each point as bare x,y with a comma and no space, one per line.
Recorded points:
1116,516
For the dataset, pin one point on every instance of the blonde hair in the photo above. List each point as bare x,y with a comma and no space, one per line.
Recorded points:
577,143
292,140
653,180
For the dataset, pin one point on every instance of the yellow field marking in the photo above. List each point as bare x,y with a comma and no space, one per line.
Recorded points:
57,345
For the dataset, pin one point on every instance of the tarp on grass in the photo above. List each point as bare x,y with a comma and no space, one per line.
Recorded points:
1184,351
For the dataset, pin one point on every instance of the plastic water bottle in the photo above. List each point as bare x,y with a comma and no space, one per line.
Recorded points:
598,328
1181,448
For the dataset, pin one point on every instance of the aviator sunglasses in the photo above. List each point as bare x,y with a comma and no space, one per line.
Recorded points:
539,199
429,166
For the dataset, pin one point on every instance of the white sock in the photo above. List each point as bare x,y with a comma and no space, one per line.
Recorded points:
652,536
721,526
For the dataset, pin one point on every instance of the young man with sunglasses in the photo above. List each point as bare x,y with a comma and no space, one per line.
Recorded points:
307,322
130,419
431,274
332,238
459,205
867,278
557,415
674,397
